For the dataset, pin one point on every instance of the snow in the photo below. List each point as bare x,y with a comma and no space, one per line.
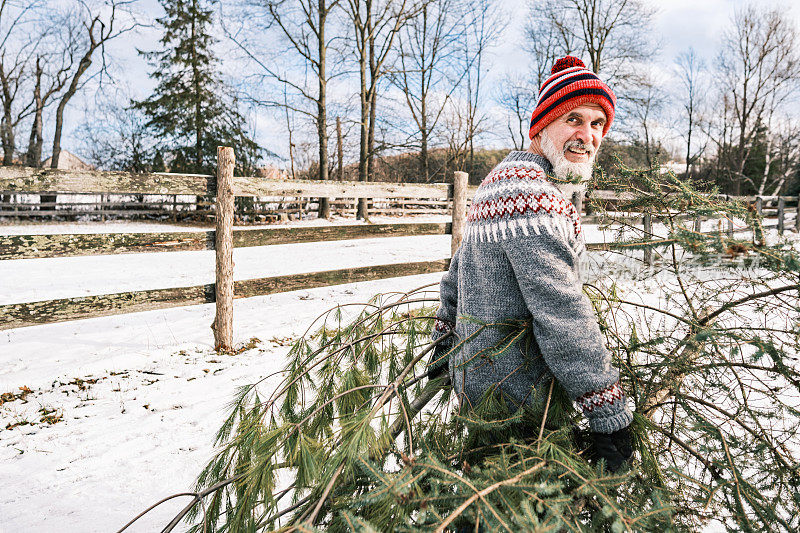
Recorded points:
30,280
145,428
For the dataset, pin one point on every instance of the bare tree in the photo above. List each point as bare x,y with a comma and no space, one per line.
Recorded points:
303,25
102,22
50,74
545,39
690,70
427,50
16,48
12,76
759,68
375,25
480,27
783,157
114,135
55,52
647,101
517,95
614,34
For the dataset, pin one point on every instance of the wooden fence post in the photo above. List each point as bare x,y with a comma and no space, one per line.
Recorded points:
588,202
460,180
223,288
648,230
577,201
759,205
797,216
781,214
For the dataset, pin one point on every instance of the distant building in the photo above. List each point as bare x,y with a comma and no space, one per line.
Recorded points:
68,161
271,173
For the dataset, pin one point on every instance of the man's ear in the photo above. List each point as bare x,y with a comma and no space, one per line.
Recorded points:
536,144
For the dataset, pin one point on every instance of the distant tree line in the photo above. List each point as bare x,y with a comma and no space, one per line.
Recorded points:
391,89
49,53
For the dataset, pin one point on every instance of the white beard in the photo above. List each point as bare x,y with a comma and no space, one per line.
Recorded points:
575,175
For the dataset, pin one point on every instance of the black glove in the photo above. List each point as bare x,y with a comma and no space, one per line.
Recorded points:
438,363
615,448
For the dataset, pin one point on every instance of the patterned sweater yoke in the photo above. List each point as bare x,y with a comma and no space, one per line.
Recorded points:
520,261
518,196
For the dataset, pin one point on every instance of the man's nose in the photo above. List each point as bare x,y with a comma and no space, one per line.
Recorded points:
584,133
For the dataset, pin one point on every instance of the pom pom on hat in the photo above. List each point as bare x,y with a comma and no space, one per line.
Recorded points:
570,85
567,62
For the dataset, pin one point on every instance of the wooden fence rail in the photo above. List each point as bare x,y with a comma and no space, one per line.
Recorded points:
256,209
60,310
53,181
65,245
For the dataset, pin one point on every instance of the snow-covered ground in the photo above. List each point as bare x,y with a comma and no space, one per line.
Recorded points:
136,398
30,280
145,429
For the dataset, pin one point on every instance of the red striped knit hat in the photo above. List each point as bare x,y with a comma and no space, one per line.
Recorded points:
570,86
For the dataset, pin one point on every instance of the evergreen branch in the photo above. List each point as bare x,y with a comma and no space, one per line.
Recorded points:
480,494
471,487
431,389
312,518
748,298
713,470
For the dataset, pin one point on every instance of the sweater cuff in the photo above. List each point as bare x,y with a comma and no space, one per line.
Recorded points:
612,423
606,409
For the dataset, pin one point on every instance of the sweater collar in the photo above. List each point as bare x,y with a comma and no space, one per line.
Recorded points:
518,155
567,189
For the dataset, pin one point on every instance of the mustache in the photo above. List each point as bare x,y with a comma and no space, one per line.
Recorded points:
579,146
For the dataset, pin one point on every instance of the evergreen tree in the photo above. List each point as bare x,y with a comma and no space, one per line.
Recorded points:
158,162
192,110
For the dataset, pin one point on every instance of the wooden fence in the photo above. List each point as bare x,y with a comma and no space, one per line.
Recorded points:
255,210
224,238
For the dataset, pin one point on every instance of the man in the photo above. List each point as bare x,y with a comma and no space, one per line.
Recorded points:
519,262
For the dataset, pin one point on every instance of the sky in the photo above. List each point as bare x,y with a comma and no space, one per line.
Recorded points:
678,25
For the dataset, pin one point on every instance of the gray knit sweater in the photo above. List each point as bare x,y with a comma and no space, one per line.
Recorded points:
520,261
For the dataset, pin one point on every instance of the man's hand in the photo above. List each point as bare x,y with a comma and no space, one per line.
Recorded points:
616,448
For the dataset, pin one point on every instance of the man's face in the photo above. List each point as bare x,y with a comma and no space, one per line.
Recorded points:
571,141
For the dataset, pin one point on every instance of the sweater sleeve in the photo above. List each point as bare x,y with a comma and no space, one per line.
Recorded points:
565,326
